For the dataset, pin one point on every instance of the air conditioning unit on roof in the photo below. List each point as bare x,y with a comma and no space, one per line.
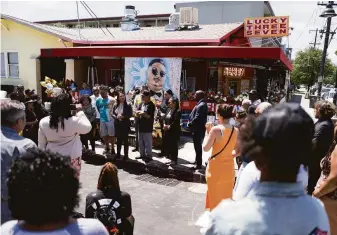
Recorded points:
188,16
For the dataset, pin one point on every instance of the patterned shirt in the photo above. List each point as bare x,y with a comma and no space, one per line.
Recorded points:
103,108
326,168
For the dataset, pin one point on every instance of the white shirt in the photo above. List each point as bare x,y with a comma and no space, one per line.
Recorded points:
80,227
93,103
271,208
120,108
64,141
250,177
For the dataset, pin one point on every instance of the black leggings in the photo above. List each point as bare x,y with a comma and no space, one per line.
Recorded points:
89,136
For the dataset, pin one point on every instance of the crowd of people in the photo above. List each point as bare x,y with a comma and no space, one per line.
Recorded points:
286,183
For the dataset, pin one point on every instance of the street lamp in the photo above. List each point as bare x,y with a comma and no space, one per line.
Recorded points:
328,13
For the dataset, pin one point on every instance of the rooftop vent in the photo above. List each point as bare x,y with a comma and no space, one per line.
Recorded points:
173,22
129,22
187,18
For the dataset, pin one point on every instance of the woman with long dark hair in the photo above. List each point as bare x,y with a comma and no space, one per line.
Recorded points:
60,131
90,112
122,112
108,188
172,130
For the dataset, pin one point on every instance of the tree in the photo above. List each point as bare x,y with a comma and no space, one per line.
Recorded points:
307,67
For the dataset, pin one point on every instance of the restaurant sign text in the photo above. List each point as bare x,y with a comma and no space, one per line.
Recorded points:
275,26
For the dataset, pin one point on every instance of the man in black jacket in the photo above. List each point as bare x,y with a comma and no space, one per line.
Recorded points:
322,140
197,122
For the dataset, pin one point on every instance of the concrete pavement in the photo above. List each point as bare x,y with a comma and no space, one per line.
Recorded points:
160,165
183,170
157,208
300,99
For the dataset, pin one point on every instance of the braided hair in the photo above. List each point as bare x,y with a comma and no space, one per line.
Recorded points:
59,110
42,188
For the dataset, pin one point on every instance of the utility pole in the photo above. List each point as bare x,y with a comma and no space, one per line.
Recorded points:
315,42
329,13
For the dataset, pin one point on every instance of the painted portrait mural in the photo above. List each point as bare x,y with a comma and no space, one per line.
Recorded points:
159,74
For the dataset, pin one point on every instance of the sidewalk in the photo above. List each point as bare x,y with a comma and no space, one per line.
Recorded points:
158,166
299,98
305,105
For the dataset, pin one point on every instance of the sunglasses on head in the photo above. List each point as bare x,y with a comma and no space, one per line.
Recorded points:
155,72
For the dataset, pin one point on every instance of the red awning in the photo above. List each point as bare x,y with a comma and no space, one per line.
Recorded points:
210,52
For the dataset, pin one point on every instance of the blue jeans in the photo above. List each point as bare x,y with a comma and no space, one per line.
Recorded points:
145,144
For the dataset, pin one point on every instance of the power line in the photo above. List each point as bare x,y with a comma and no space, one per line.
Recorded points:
315,42
91,15
333,34
78,21
315,10
87,7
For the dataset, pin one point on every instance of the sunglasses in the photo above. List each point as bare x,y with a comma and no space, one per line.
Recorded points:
155,72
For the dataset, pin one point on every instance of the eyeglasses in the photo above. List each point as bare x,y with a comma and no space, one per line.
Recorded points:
155,72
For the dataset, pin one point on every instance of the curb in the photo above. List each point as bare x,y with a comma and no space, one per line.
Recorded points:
156,168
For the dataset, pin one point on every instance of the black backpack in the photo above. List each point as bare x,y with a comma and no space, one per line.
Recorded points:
108,212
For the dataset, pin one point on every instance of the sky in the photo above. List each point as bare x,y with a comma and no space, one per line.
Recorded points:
304,16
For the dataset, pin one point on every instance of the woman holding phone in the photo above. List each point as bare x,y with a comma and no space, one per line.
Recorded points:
220,173
60,131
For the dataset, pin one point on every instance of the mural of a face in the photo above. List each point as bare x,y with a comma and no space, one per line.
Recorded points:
156,75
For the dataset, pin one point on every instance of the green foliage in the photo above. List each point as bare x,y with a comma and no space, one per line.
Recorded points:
329,80
307,66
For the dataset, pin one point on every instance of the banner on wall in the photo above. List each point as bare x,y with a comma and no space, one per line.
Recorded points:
274,26
159,74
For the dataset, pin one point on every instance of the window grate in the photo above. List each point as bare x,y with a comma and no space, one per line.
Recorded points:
157,180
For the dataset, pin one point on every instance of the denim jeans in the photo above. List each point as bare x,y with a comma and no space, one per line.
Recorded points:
145,144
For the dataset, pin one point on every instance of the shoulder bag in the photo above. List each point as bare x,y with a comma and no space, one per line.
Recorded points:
230,137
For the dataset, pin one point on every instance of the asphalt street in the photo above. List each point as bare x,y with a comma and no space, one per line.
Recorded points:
162,206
